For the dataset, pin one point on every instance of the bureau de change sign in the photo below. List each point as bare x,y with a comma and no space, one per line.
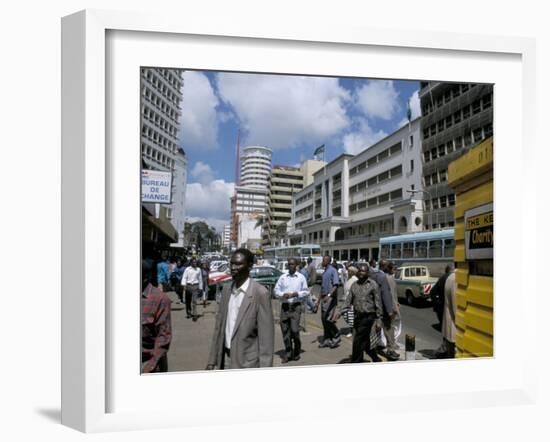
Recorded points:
156,187
478,232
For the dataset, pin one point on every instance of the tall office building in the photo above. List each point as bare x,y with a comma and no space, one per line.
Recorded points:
356,199
161,97
284,181
177,209
226,236
251,194
455,117
255,167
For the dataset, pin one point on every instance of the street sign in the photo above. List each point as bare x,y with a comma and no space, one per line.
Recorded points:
156,187
478,232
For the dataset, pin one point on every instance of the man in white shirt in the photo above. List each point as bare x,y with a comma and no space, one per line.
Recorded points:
291,289
192,285
244,331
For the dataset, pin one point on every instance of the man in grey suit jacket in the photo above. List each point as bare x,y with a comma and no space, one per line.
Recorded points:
244,331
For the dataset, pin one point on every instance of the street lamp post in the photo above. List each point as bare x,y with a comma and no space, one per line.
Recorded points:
412,191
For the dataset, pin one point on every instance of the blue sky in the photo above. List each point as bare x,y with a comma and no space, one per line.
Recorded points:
290,114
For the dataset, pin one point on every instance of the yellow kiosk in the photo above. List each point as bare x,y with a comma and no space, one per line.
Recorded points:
471,177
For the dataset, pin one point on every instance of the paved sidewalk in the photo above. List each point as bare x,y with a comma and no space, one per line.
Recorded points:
191,340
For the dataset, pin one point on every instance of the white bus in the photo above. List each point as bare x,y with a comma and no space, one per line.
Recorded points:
434,249
302,252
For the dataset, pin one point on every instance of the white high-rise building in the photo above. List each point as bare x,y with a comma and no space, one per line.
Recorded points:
251,195
161,97
255,167
179,182
226,237
355,200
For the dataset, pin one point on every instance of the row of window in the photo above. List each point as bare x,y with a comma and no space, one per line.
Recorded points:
156,156
384,176
377,200
162,88
158,139
304,198
474,108
445,98
172,77
159,103
439,176
274,200
160,121
440,203
389,152
304,210
471,137
420,249
370,228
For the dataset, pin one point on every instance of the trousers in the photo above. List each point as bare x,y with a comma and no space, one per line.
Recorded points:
330,331
290,328
192,292
362,324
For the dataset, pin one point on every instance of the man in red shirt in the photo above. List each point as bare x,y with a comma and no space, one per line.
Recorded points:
156,328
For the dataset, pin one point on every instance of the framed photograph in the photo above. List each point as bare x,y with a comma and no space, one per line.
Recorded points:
124,82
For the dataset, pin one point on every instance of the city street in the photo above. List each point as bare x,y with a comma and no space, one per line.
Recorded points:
191,340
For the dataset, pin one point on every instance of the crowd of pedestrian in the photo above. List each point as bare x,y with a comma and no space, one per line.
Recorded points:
244,329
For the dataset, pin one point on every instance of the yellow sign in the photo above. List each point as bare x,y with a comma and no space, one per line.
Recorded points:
481,220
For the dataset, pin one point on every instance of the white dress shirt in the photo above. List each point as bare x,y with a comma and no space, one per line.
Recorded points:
235,301
192,276
288,283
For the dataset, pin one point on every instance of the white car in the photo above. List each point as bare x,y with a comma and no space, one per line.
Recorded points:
282,266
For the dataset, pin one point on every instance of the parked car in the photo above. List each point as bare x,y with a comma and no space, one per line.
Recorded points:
266,275
282,266
414,283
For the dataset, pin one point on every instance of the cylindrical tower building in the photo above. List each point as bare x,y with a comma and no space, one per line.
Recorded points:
255,167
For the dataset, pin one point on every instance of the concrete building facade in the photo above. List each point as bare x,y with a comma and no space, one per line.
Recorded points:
255,167
356,199
455,117
284,182
226,236
251,195
161,98
177,209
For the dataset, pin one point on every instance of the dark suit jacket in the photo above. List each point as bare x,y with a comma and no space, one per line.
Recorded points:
252,343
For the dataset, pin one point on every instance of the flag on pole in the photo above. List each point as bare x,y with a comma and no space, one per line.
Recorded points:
409,113
320,150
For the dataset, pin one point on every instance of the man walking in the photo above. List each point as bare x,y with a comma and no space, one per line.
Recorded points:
437,294
156,326
192,285
367,306
163,273
392,327
244,331
448,326
388,307
291,289
328,301
311,280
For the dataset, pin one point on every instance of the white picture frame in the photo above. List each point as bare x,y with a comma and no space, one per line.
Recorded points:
89,175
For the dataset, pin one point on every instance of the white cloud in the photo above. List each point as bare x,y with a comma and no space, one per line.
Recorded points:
377,99
199,121
415,105
362,138
414,101
209,201
285,111
202,172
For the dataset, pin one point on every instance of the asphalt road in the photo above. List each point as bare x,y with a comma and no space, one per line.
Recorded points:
191,340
